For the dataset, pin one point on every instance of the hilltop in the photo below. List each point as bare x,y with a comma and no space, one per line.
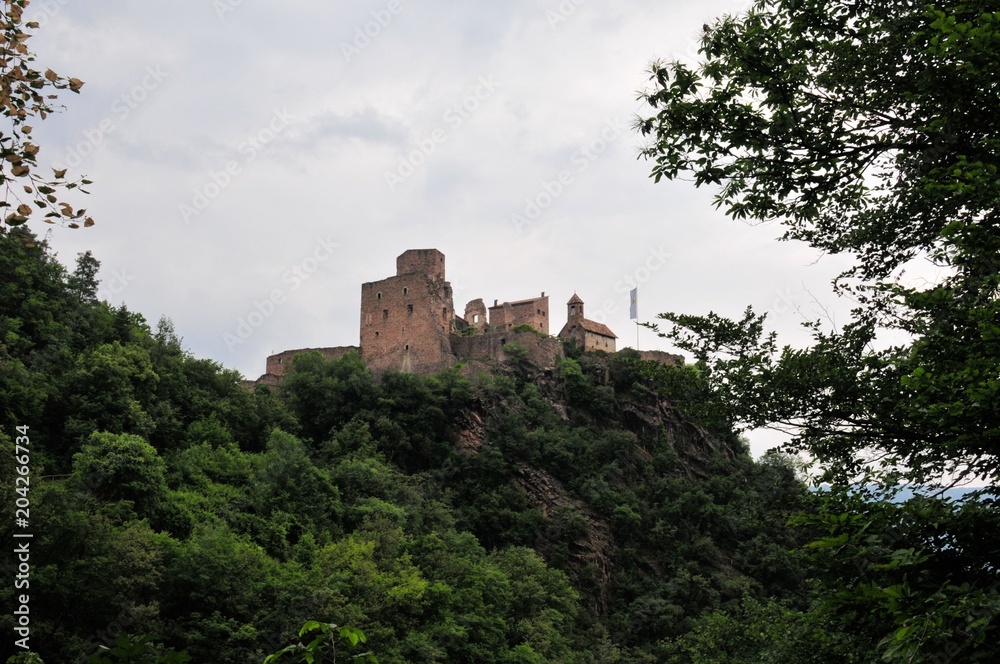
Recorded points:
600,509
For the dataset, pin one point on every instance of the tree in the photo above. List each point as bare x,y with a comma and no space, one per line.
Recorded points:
122,467
868,129
84,282
23,99
864,127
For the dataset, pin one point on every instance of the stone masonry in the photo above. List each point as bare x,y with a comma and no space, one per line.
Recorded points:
407,320
588,334
408,323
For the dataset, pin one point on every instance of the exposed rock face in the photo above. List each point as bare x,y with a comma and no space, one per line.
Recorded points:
694,445
594,549
473,435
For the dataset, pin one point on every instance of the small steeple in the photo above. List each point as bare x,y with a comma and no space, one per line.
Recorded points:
574,309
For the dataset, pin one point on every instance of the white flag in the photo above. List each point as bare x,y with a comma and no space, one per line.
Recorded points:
633,307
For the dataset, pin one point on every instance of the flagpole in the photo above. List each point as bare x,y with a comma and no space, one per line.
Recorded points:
633,312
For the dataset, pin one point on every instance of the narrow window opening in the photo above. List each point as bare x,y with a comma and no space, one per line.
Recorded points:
405,290
385,314
409,309
378,296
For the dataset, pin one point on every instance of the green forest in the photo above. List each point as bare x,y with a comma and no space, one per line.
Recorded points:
602,513
604,510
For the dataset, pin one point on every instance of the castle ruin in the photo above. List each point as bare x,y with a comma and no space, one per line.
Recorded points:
408,323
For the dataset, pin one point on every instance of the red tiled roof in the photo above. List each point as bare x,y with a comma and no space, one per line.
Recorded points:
589,326
597,328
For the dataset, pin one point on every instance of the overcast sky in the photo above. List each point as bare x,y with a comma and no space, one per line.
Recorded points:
254,164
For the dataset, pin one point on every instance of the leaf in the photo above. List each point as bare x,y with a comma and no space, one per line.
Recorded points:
309,626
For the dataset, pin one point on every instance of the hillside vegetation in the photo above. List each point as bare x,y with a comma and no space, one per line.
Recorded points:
604,512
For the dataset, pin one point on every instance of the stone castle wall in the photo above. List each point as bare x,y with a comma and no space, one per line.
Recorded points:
661,356
541,351
279,363
476,315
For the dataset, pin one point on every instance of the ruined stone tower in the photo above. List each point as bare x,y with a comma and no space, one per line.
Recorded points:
406,320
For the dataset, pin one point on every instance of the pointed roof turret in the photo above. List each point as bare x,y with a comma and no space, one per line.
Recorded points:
575,299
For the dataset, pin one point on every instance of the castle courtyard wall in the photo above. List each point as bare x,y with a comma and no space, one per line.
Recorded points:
279,363
542,351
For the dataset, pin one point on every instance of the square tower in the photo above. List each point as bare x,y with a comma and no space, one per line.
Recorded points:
406,320
424,261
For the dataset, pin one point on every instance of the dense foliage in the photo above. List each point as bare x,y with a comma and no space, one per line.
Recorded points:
868,129
605,513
